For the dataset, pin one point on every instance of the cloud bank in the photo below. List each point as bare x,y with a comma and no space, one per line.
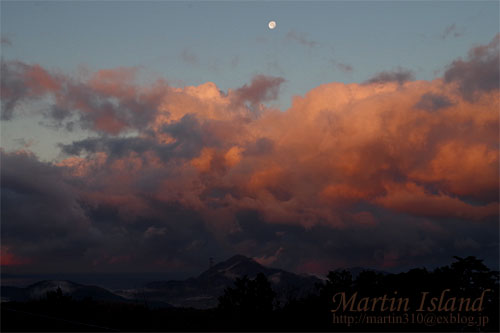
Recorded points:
390,173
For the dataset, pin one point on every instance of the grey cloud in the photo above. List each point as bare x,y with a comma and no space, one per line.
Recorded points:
134,111
479,73
262,89
433,102
345,67
181,236
189,134
390,245
301,39
40,212
261,146
116,147
399,75
451,31
91,106
14,89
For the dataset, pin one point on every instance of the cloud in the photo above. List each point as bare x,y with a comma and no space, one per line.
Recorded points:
261,89
25,143
414,199
309,167
40,212
479,73
108,102
382,175
22,82
9,259
433,102
399,75
187,135
451,31
344,67
67,224
116,147
301,39
269,260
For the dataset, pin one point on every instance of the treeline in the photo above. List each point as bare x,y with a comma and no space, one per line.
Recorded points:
461,297
252,305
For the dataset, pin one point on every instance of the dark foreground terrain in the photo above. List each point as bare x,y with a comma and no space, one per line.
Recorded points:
460,297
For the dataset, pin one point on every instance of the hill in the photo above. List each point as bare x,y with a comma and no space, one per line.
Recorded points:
40,289
201,292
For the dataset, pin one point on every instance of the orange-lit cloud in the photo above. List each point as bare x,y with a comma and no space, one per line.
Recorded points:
342,157
339,145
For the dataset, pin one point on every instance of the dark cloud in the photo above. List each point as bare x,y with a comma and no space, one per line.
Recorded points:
399,75
261,89
40,212
262,146
480,72
170,238
107,103
14,90
190,136
115,147
433,102
106,111
46,222
417,242
301,39
58,114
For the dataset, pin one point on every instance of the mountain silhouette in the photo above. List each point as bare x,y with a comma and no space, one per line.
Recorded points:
202,291
77,291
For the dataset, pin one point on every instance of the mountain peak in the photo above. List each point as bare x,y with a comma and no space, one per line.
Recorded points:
236,261
202,291
236,266
63,284
238,258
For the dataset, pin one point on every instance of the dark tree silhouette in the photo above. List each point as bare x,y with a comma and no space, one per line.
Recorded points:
253,296
250,303
57,297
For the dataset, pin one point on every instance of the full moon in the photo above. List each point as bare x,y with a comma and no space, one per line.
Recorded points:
272,25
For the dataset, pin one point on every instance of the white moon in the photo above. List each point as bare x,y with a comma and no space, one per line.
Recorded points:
272,25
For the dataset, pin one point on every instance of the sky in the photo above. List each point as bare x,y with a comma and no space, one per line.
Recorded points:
150,136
